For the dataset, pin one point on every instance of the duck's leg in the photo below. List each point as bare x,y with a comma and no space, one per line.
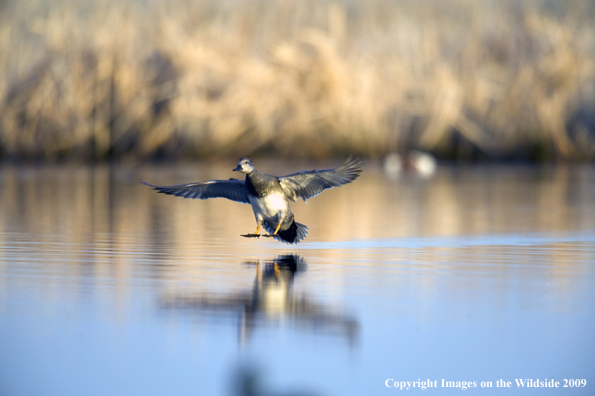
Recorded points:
255,235
275,233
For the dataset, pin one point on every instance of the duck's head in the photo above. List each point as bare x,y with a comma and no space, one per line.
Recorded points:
245,166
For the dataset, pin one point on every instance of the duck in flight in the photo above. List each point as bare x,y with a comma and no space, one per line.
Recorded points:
269,195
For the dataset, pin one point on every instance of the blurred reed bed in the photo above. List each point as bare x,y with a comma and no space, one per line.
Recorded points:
206,78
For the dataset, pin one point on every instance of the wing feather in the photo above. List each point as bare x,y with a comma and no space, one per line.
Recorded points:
308,184
232,189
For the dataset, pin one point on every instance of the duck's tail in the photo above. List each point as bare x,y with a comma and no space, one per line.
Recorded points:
294,234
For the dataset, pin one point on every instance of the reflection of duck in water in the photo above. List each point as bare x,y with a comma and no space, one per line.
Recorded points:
271,300
270,195
251,381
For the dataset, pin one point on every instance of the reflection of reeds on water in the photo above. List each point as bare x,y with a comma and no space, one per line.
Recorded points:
307,78
83,202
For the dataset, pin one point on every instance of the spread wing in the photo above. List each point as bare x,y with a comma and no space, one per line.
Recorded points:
233,189
308,184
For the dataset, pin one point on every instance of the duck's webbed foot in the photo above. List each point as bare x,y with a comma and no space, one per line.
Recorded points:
255,235
251,235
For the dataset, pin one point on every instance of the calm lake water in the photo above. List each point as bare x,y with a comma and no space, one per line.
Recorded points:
476,274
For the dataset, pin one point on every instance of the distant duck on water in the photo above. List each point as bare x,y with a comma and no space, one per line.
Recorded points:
416,162
269,195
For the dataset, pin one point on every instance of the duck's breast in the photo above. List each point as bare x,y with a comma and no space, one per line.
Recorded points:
270,206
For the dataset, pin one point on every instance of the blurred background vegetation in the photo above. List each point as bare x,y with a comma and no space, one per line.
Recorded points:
148,79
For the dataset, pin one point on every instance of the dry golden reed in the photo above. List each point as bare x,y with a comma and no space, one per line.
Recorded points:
203,78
